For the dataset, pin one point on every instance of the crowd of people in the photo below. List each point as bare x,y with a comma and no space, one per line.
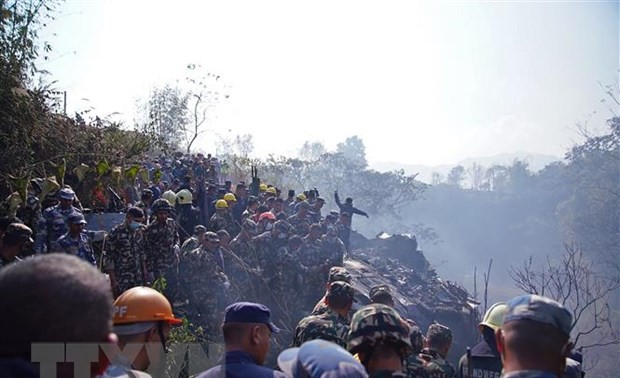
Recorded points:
241,263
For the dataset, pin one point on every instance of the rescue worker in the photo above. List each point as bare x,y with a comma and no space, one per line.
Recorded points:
219,220
312,255
332,325
247,330
347,207
126,259
332,247
17,237
534,339
76,241
301,220
232,225
379,338
53,223
484,359
141,315
188,216
315,210
195,241
250,210
162,247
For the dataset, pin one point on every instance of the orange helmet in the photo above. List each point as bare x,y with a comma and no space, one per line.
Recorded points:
142,304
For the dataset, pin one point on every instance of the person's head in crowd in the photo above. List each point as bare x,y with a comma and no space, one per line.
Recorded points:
252,204
278,205
76,224
300,197
34,186
265,220
248,328
5,222
291,194
134,218
271,191
187,180
17,238
211,241
262,188
221,192
345,218
349,201
175,184
315,231
381,294
330,220
269,203
491,322
146,196
319,203
221,206
199,232
228,185
241,190
162,208
66,196
224,237
53,298
281,230
319,359
302,211
295,242
438,339
230,199
415,336
380,338
340,297
337,273
143,315
211,190
535,335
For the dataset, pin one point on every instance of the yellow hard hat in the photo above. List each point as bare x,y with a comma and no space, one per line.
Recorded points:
142,304
262,187
272,190
221,204
494,316
301,197
230,197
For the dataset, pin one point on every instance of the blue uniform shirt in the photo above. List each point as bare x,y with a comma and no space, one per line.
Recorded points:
240,364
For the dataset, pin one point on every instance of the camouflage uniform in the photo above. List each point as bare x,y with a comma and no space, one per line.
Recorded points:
52,225
336,273
328,326
429,360
125,256
81,247
206,286
245,250
333,249
311,255
218,222
189,245
301,226
267,247
160,240
30,212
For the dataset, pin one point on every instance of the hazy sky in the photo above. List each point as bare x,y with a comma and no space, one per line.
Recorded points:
420,82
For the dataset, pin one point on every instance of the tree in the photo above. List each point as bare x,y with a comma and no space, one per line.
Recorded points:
311,151
436,178
476,174
205,93
456,176
497,177
166,115
574,282
353,149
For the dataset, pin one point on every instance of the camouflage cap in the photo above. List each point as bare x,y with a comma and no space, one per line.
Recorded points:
199,229
541,310
282,226
17,232
338,273
374,323
438,334
212,237
379,291
341,289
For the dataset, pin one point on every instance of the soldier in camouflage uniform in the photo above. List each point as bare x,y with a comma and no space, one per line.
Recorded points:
162,247
301,220
242,262
194,241
312,255
432,360
53,223
125,260
219,220
333,325
333,248
380,339
206,285
336,273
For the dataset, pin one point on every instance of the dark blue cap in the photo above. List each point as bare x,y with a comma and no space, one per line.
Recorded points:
248,312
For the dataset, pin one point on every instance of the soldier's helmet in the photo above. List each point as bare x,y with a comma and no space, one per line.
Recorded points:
377,323
161,204
184,197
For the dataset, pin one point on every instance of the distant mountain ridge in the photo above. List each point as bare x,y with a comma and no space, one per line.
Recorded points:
536,163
